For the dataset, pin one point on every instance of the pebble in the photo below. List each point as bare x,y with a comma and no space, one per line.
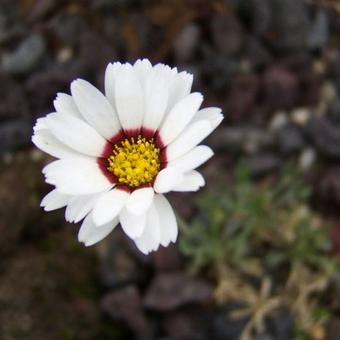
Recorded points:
227,33
319,32
186,42
279,119
307,159
300,116
171,290
14,134
290,139
26,57
281,87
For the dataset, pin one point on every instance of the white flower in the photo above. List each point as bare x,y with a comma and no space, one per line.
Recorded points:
119,153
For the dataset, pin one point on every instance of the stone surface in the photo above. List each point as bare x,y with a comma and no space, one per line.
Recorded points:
26,57
280,87
125,305
169,291
325,136
227,33
14,134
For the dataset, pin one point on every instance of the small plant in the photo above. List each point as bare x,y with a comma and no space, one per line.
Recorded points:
267,232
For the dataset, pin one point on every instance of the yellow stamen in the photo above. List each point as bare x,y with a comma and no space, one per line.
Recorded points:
135,163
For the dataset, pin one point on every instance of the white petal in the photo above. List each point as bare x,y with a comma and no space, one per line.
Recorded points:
76,134
110,80
139,201
79,206
76,176
90,234
95,108
64,103
47,142
133,225
150,239
168,222
40,125
167,179
193,159
181,84
109,205
188,139
129,98
54,200
192,181
212,114
156,99
142,68
179,117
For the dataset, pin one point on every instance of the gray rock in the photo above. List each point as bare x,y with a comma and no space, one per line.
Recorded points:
290,139
326,137
290,21
14,134
242,139
186,42
281,87
227,33
263,164
125,305
26,57
169,291
319,33
117,267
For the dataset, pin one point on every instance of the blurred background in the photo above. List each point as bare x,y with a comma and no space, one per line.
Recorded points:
257,256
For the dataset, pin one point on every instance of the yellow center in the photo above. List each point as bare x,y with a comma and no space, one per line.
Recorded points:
135,163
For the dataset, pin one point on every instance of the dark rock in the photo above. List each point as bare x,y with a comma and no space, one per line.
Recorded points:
226,33
335,237
333,329
290,25
224,327
290,139
241,96
166,259
256,14
188,323
26,57
256,53
186,43
14,134
11,27
263,336
56,79
325,136
125,305
169,291
117,266
280,88
67,27
319,33
281,325
13,103
326,197
263,164
243,139
95,63
221,71
310,87
42,8
13,209
334,112
112,30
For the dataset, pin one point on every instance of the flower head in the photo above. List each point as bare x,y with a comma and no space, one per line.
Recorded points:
119,153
